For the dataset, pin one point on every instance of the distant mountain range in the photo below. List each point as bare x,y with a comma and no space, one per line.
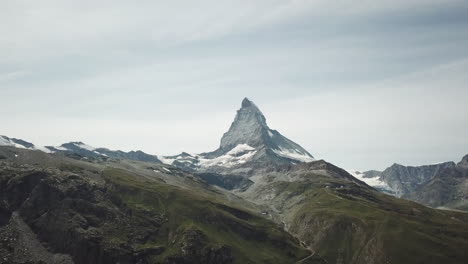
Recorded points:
442,185
80,150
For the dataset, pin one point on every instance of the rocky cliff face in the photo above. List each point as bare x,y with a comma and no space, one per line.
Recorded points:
464,162
447,189
439,185
405,179
249,127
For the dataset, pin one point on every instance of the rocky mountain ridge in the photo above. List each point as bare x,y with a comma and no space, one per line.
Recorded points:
80,150
442,185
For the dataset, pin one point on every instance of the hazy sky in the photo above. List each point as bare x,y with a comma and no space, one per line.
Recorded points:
362,84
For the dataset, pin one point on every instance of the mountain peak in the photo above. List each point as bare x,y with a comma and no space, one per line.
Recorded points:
250,128
247,103
464,162
247,128
249,106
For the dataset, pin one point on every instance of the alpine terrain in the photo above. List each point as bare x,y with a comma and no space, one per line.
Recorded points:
258,198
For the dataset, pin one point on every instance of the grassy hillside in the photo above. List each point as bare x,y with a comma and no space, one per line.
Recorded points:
347,223
193,223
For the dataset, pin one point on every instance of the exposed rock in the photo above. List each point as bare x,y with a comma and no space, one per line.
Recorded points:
405,179
464,162
442,185
19,244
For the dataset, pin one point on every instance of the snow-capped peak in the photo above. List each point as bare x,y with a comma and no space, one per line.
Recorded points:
19,143
250,127
6,141
14,142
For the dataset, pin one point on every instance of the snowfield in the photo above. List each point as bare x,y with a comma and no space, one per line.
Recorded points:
374,182
240,154
293,154
7,142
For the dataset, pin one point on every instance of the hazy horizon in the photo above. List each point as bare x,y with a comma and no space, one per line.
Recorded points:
360,85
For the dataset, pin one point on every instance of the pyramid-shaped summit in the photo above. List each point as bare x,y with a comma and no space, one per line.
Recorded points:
250,128
248,144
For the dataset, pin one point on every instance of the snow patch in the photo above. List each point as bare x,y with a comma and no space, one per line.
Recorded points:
61,148
239,149
84,146
165,160
240,154
43,149
184,158
374,181
293,154
4,141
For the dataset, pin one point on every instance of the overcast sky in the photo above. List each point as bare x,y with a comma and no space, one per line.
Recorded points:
362,84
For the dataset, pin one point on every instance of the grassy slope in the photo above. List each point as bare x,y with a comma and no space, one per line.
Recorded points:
350,224
252,239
